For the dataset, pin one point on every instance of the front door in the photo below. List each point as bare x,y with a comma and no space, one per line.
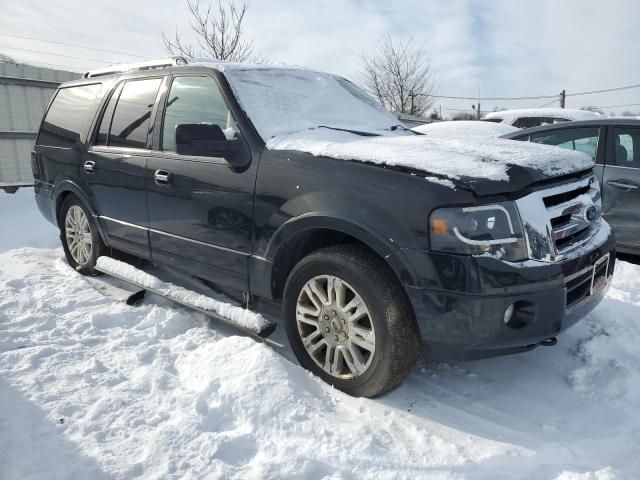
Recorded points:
114,165
200,208
621,186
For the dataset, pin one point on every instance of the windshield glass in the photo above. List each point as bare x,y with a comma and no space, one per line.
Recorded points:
281,101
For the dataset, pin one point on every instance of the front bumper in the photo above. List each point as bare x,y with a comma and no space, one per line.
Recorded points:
460,301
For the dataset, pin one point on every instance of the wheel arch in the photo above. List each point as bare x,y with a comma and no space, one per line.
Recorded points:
66,188
303,235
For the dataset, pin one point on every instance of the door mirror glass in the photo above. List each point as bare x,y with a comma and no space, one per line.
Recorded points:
205,140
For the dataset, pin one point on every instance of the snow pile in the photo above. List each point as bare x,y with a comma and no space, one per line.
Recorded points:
465,129
234,314
453,158
97,389
510,116
611,370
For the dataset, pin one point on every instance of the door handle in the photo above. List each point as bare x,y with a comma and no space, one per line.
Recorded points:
162,177
621,185
89,166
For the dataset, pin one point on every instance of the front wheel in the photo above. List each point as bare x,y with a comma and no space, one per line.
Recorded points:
80,238
349,321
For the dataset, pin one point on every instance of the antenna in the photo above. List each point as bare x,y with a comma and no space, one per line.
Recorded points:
128,67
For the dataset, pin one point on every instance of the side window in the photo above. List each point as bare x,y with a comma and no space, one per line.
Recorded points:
131,118
626,147
67,115
529,122
194,100
581,139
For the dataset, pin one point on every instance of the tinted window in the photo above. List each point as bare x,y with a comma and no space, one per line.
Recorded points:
627,147
131,118
68,113
105,123
581,139
192,100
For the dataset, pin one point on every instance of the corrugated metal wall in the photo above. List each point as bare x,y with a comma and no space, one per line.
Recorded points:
24,94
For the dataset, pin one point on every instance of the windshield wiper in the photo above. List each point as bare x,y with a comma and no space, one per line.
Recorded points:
356,132
402,127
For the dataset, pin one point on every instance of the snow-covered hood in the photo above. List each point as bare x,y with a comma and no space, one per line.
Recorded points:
485,165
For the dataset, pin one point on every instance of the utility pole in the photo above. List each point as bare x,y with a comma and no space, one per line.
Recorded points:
563,95
478,111
411,94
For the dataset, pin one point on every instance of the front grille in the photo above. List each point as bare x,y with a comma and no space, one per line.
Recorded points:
560,219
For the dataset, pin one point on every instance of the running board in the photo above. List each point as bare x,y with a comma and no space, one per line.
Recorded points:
233,315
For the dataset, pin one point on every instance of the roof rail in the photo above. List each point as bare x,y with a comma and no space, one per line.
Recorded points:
128,67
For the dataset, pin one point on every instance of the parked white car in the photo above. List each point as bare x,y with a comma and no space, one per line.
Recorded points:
534,117
465,128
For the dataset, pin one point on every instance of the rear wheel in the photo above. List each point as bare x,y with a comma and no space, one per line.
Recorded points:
349,321
80,238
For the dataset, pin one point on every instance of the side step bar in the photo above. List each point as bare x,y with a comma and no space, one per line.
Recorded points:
238,317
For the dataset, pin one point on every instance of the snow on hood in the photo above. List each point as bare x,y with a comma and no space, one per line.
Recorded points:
465,128
488,158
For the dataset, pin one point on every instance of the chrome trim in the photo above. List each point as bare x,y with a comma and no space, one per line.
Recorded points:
103,217
198,242
541,236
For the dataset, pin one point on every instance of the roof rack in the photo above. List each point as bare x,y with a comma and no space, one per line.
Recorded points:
128,67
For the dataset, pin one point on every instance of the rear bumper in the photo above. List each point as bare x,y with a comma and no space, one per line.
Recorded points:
460,301
44,199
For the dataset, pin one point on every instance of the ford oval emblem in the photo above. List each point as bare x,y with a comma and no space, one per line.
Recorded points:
591,213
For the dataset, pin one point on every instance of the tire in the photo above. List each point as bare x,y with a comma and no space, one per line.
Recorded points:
358,370
71,214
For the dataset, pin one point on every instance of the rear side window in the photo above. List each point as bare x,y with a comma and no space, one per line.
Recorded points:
127,125
582,139
627,147
68,114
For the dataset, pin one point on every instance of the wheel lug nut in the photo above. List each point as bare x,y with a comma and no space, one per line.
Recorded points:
334,313
336,338
326,329
326,317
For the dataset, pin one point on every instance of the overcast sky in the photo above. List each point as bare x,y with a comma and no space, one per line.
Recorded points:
497,48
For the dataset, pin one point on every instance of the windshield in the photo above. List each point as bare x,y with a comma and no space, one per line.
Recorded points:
281,101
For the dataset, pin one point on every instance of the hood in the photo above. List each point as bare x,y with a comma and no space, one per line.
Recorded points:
483,165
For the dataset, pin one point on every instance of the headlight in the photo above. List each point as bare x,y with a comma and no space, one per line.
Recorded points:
494,229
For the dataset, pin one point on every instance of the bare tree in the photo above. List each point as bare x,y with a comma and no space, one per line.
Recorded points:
399,75
219,32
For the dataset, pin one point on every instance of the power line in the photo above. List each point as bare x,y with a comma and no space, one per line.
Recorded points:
538,97
550,103
55,54
72,45
616,89
37,63
620,106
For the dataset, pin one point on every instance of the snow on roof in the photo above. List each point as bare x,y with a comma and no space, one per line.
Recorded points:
488,158
465,128
566,113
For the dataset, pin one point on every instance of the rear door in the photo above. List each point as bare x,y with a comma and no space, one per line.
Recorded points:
621,184
114,165
200,208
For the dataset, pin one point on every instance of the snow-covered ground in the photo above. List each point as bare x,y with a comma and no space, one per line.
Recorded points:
91,388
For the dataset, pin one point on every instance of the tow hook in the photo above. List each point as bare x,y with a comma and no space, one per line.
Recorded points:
549,342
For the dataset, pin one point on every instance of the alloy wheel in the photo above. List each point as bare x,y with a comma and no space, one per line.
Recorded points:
335,326
78,235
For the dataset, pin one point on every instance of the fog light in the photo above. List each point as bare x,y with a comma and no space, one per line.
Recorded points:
507,314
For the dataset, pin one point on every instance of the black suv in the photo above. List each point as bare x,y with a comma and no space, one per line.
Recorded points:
294,186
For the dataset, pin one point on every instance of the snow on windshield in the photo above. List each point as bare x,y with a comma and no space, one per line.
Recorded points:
285,100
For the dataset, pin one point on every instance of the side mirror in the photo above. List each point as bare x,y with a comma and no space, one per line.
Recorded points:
205,140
